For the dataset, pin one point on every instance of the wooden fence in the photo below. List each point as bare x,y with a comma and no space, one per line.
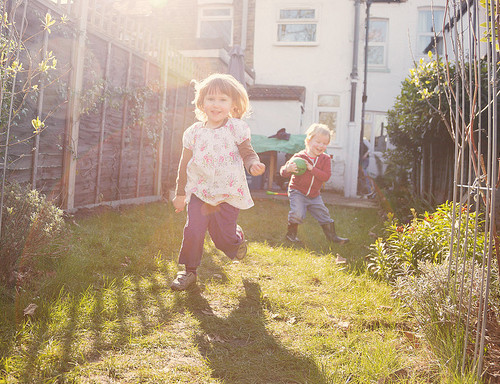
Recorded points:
114,110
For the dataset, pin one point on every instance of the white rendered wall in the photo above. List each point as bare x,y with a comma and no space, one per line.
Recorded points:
384,85
269,116
322,69
325,68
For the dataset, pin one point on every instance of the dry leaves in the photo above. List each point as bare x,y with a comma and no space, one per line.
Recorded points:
30,309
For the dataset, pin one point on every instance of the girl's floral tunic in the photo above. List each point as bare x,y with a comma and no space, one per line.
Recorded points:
215,173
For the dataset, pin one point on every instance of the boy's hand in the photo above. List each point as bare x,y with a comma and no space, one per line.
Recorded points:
257,169
179,203
291,167
309,166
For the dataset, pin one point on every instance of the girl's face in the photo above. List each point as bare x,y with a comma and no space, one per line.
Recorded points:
217,106
317,144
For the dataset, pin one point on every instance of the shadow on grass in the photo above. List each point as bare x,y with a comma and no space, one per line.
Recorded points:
239,348
107,324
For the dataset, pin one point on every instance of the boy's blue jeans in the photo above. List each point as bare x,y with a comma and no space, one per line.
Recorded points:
300,204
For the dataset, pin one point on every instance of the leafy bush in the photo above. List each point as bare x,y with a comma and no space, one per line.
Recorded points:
445,303
425,238
31,227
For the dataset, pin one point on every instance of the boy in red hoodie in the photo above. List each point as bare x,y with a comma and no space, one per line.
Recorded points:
304,190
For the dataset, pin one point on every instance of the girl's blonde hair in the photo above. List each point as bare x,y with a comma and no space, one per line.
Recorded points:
226,84
315,129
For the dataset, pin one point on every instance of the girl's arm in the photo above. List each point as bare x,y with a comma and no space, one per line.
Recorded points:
179,200
251,160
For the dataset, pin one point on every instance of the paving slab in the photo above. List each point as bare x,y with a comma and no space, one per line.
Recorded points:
328,197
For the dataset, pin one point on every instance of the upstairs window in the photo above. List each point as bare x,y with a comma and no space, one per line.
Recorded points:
430,25
327,111
216,22
377,43
297,26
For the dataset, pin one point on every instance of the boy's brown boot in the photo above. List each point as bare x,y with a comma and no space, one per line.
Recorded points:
331,235
291,234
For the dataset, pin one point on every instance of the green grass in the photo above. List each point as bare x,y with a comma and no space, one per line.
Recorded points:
282,315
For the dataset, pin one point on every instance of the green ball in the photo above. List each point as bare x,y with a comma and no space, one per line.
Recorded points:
301,166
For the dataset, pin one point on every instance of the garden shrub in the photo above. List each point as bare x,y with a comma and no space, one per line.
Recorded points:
445,302
425,238
32,227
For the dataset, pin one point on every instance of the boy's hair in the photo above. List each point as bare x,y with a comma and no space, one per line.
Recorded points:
226,84
315,129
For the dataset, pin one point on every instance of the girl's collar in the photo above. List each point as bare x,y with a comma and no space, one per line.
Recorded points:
220,126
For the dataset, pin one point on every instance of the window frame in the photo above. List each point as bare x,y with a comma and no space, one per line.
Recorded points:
297,21
372,117
337,109
203,18
438,47
384,44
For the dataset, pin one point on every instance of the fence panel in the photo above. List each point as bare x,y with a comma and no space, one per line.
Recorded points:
111,141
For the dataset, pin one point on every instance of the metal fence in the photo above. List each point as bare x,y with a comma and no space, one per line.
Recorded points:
471,45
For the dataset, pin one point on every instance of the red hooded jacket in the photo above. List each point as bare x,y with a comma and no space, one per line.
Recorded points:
310,182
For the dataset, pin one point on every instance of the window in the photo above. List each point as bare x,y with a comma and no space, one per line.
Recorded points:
375,130
377,43
216,22
327,110
430,25
297,26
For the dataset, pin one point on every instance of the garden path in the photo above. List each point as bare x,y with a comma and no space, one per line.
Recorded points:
328,197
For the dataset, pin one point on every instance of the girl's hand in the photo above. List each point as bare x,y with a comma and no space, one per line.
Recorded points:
291,167
179,203
257,169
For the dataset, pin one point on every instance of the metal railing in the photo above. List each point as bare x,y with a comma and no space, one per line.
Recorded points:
470,44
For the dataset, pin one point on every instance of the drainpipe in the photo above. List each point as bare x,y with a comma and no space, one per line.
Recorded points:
354,73
365,96
351,173
244,25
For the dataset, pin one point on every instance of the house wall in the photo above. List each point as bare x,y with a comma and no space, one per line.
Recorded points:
326,68
182,27
269,116
321,68
384,85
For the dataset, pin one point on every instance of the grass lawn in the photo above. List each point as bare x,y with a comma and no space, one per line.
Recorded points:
282,315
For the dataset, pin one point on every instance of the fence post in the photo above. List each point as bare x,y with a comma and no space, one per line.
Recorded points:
141,139
159,152
124,122
102,127
73,112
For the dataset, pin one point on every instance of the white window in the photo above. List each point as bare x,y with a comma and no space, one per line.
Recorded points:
377,43
375,130
327,112
430,25
297,26
216,22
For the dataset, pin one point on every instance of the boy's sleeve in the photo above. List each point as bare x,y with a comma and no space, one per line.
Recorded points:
283,171
180,183
248,154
